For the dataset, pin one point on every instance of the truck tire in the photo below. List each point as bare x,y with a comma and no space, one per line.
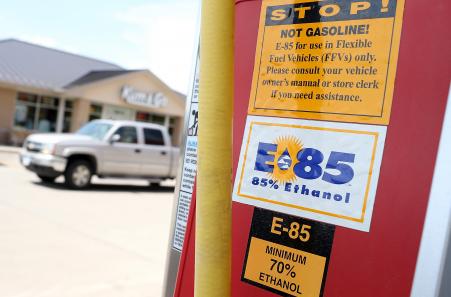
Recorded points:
46,179
154,184
78,174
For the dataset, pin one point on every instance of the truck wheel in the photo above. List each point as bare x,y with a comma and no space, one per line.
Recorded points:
78,174
46,179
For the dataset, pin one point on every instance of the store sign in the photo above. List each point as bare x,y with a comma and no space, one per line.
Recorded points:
135,97
319,170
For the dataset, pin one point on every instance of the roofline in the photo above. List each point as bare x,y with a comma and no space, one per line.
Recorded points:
65,88
131,71
31,88
180,96
61,92
60,51
69,86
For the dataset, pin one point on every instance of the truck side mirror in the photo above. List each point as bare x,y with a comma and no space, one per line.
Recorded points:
115,138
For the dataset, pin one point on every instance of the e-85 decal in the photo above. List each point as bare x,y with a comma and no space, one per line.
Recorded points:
288,159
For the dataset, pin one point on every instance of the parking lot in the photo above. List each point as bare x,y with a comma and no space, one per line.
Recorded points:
108,241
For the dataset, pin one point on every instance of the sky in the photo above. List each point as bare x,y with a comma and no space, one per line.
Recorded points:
158,35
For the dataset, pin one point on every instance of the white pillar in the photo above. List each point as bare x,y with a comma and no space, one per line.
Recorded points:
60,116
166,121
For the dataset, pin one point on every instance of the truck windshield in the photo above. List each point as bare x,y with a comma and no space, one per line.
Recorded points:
95,130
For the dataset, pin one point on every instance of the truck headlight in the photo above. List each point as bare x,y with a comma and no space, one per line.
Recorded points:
48,149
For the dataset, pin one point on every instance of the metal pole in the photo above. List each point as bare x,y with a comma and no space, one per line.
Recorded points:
214,185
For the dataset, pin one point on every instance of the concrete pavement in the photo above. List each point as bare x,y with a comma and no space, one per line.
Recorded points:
105,242
9,149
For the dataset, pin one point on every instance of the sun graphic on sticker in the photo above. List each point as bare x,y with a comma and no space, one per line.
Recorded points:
287,149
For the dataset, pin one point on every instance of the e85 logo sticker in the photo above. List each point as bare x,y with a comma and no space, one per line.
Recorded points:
319,170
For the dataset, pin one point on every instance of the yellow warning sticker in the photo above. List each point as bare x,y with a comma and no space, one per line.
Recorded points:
327,60
288,254
280,273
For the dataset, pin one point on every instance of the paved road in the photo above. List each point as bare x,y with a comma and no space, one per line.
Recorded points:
109,241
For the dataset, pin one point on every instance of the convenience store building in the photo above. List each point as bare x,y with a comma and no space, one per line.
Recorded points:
47,90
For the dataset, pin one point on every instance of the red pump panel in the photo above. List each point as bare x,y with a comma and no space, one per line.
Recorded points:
380,262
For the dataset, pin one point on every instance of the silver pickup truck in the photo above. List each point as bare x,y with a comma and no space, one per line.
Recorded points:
105,148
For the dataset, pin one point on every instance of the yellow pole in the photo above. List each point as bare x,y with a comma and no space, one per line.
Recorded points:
214,185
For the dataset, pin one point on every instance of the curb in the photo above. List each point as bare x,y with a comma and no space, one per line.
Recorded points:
10,149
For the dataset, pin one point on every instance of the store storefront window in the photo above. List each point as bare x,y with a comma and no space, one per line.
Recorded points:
143,116
157,119
112,112
95,112
172,123
25,111
149,118
35,112
68,109
48,113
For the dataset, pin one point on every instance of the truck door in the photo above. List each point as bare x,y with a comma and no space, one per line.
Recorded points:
156,156
123,157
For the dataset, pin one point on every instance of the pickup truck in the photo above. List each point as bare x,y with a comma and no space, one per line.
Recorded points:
105,148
